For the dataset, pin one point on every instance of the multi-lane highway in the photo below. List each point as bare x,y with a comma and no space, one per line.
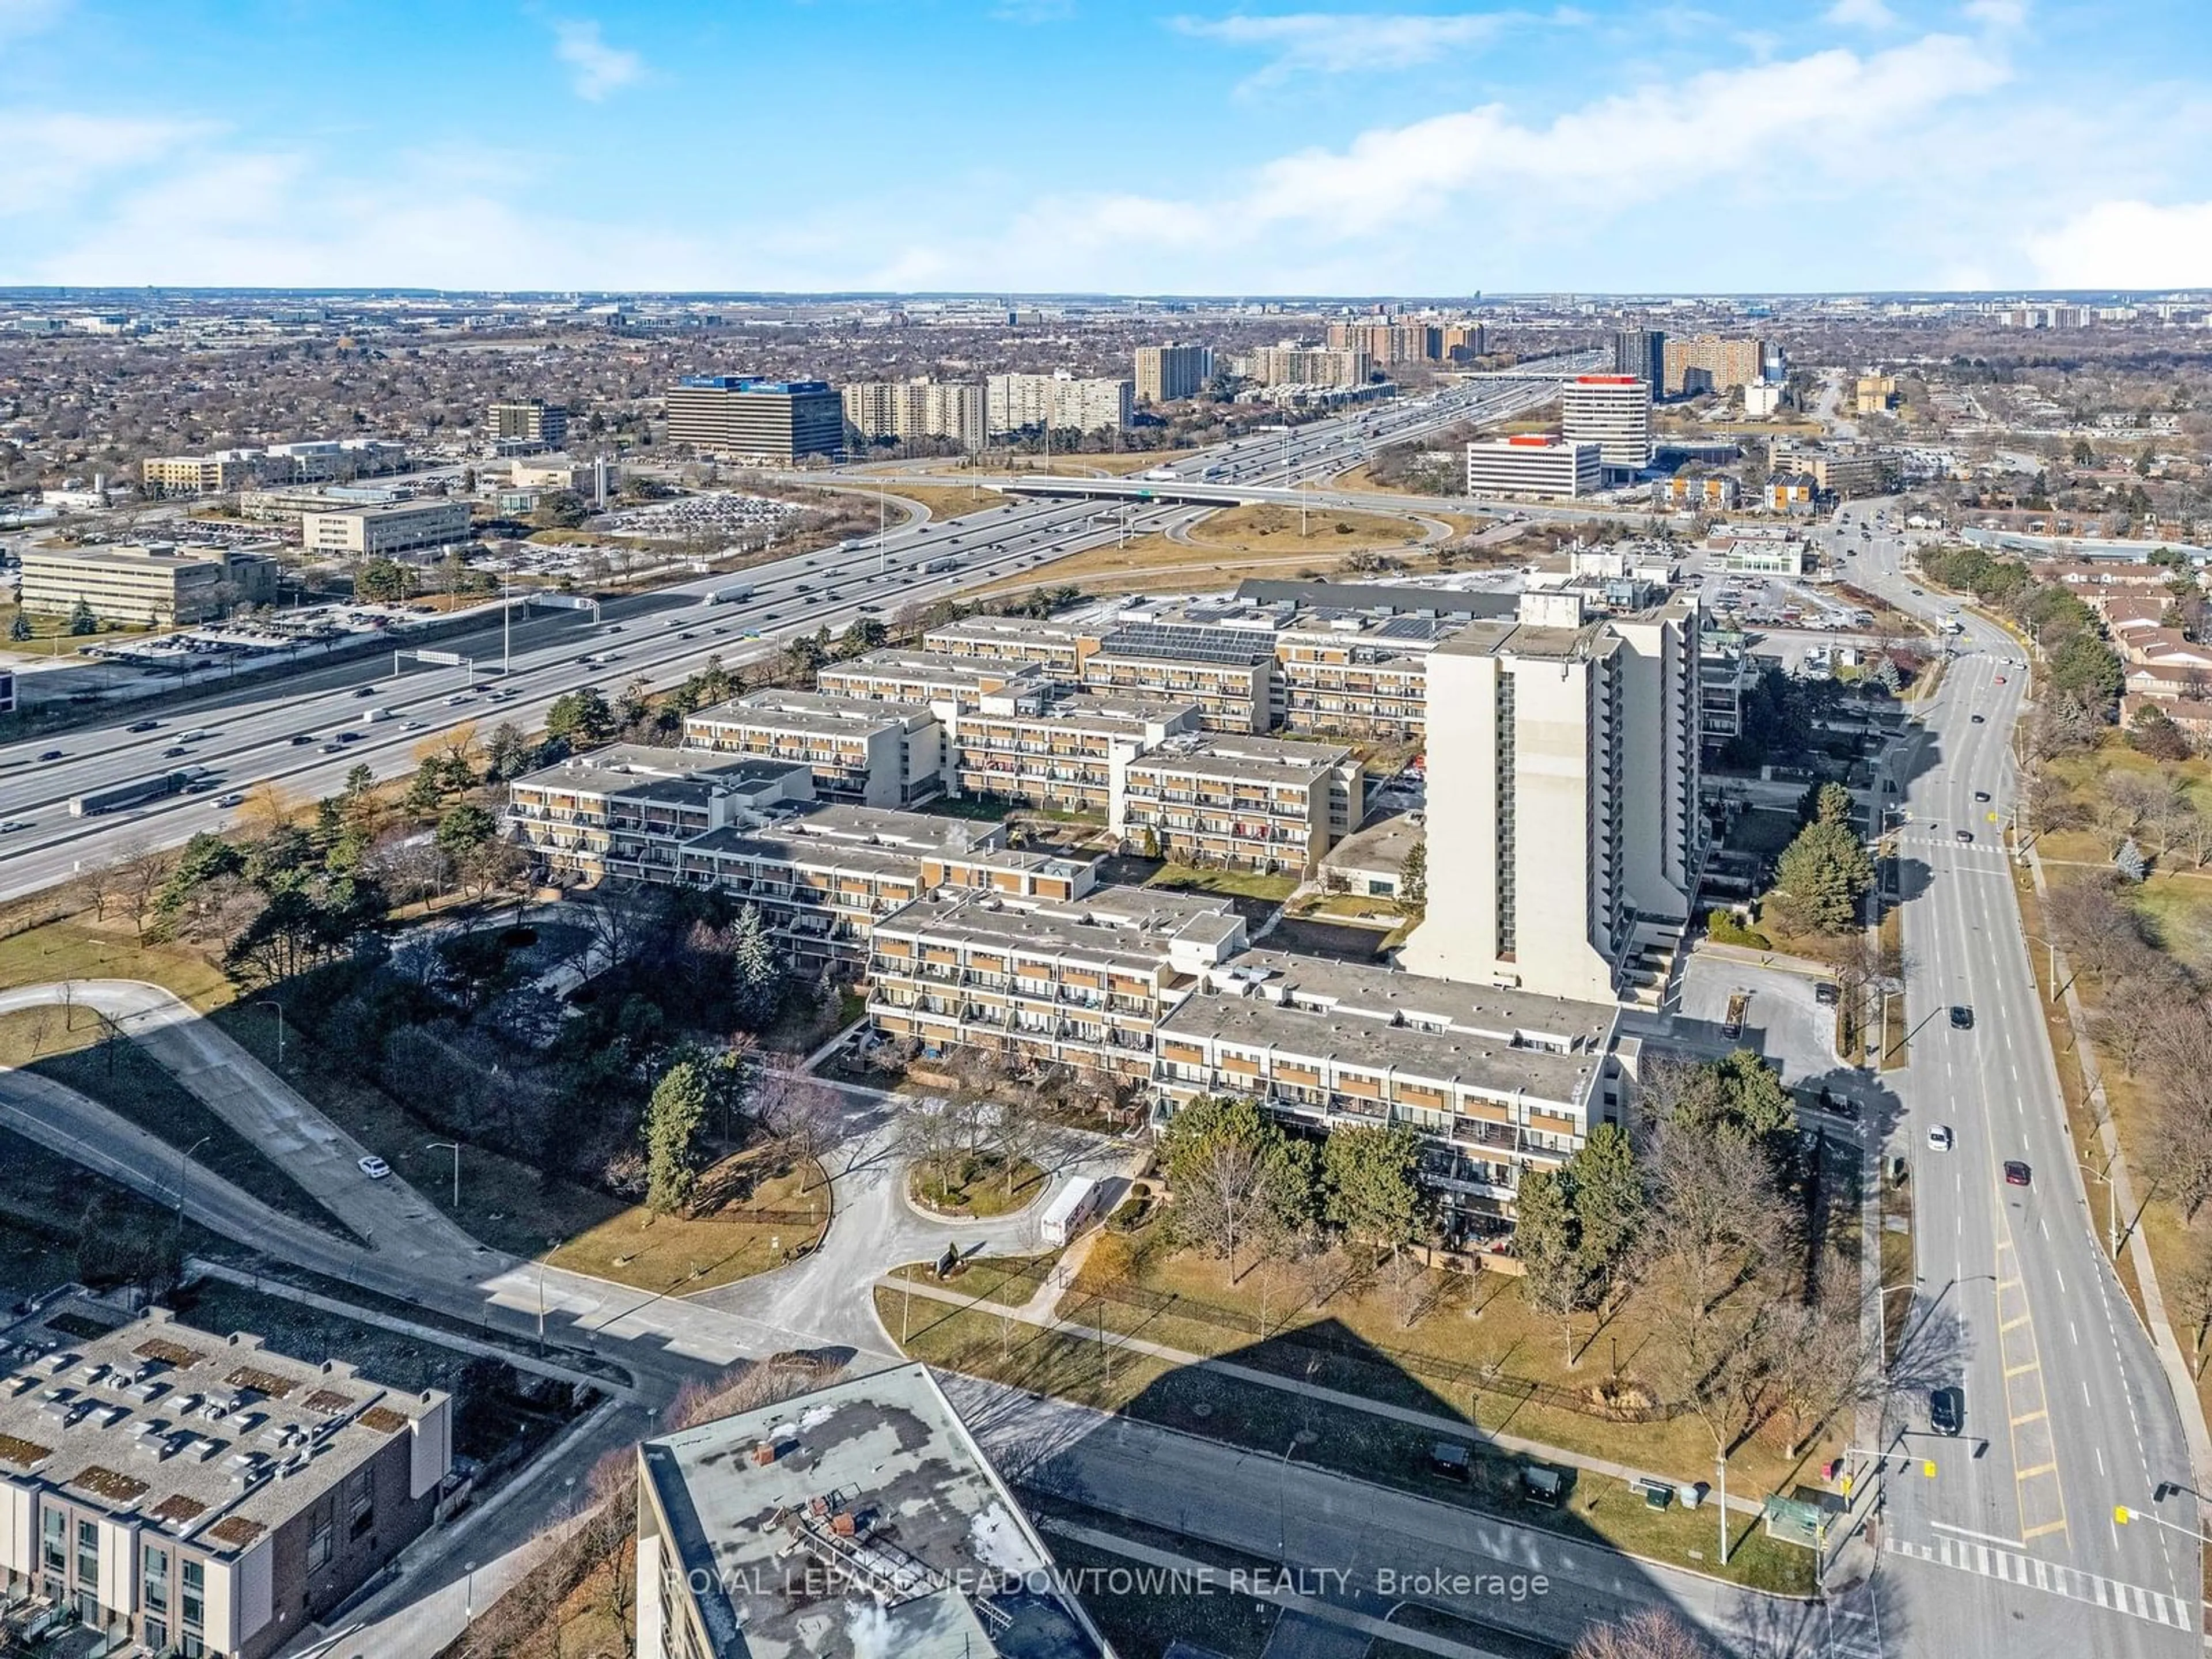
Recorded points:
289,733
2012,1544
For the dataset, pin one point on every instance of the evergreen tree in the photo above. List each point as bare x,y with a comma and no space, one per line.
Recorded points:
1823,873
2130,861
1413,879
1373,1192
673,1119
19,628
759,976
1608,1192
81,619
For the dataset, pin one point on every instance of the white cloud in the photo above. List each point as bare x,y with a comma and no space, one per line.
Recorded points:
52,158
2127,245
1862,15
1467,191
600,69
1998,13
1334,43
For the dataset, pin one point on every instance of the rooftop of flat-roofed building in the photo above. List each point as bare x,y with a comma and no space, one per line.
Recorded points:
816,714
859,1521
206,1438
673,775
1245,760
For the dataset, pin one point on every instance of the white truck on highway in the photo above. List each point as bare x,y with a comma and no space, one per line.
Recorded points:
374,716
736,593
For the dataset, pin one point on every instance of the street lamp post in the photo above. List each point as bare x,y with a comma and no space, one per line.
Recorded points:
271,1002
2112,1208
454,1147
183,1159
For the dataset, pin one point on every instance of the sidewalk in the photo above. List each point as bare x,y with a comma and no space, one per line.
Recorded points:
1429,1422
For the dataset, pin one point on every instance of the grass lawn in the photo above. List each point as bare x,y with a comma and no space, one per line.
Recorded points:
1232,884
81,948
976,1188
1353,907
948,501
43,1199
1355,1444
1000,1280
1472,1345
120,1076
507,1204
774,1224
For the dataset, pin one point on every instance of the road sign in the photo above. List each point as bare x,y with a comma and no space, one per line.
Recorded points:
447,658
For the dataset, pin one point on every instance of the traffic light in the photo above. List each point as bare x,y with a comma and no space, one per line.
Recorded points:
2164,1489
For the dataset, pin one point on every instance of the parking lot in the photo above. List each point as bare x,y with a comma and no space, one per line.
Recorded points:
718,513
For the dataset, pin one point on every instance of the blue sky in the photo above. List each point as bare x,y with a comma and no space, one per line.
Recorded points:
1107,145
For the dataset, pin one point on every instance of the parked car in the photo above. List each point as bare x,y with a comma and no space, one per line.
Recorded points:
1826,994
374,1167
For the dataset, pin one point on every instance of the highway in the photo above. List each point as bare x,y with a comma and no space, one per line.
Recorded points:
288,732
2012,1545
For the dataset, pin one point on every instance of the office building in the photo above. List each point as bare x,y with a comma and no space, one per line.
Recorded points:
1562,799
1083,985
866,752
743,417
1168,373
1723,363
330,459
859,1521
286,506
1292,364
1532,464
589,479
1496,1082
1760,398
368,532
919,408
1613,412
1241,803
1873,394
1641,352
1846,473
154,585
529,422
1057,401
198,1494
218,474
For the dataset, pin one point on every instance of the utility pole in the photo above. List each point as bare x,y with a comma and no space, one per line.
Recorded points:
454,1148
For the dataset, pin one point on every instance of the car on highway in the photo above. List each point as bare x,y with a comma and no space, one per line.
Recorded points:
1966,835
1939,1138
142,725
51,754
331,749
1962,1017
301,740
457,700
174,751
232,799
1978,720
2000,679
347,737
685,635
196,737
9,826
1945,1410
374,1167
1981,794
364,690
2017,1174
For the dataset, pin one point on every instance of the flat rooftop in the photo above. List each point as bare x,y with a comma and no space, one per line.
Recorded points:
815,713
946,665
197,1436
686,776
872,1527
1132,928
1246,760
1509,639
1432,1029
1101,712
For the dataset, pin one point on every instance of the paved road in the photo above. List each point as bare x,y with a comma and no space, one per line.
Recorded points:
2012,1546
1383,1539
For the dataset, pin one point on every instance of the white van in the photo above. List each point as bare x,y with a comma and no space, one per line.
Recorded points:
1070,1210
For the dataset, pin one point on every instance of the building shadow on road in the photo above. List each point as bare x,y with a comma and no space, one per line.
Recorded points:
1425,1494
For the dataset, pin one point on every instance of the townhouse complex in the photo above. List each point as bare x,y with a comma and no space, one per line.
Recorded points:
1562,830
198,1494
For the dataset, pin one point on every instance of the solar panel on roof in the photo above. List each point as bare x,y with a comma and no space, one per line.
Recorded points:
1172,640
1415,627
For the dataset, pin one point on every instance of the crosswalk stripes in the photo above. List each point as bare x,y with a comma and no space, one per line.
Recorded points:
1854,1633
2054,1578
